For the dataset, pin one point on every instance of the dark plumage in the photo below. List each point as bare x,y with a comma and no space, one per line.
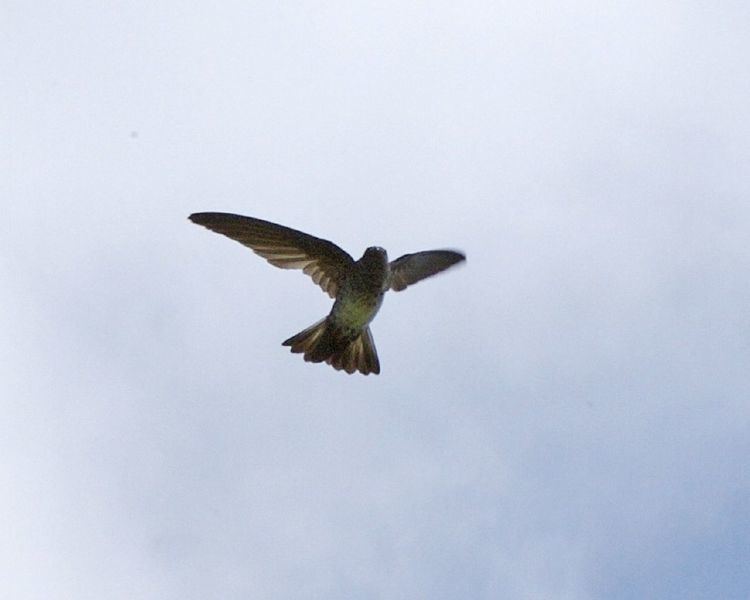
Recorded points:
343,338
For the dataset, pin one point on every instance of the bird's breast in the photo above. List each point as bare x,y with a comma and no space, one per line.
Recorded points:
355,310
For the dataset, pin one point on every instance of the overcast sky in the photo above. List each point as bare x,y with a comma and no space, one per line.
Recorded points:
566,416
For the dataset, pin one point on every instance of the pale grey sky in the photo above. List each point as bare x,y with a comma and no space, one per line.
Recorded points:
565,417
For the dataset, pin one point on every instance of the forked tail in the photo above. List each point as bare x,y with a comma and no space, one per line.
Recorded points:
324,342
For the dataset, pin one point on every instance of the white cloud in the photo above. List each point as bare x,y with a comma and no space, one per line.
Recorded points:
564,417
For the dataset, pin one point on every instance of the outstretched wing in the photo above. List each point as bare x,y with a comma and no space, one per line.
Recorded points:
410,268
283,247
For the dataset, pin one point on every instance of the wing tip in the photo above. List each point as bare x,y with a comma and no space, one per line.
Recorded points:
202,218
456,255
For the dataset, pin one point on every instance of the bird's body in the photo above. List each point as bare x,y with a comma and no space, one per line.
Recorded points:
362,291
343,338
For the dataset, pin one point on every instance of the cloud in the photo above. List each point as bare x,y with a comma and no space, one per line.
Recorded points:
563,417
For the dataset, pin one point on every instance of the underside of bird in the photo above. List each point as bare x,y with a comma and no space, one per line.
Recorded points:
343,350
343,338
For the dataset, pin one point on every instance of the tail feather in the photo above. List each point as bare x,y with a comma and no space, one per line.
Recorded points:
311,341
323,342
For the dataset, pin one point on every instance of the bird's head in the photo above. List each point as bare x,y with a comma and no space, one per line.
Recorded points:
375,255
375,261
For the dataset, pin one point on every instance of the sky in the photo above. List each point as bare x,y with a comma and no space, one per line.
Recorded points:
563,417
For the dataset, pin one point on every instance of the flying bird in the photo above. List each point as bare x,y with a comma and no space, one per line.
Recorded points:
343,338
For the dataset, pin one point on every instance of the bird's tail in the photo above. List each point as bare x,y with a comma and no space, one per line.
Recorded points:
323,341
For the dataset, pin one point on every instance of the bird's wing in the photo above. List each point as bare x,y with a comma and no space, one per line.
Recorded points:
283,247
410,268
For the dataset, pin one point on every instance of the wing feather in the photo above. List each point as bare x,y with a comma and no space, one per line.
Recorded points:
283,247
411,268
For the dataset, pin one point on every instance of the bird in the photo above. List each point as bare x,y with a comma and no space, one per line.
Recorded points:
343,338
